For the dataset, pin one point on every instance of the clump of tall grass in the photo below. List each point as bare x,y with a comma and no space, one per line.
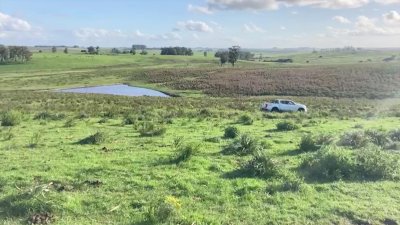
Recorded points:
354,139
149,129
245,145
310,143
11,118
97,138
48,116
184,153
287,126
261,165
231,132
335,163
245,120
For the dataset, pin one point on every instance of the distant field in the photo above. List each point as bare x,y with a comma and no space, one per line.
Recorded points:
208,157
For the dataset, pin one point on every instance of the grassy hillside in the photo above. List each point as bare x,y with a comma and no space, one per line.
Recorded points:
208,157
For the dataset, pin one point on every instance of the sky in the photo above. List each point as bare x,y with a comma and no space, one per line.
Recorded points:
202,23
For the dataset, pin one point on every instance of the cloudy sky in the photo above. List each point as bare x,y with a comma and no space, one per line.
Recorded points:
202,23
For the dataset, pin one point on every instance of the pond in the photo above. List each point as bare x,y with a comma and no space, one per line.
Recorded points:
117,89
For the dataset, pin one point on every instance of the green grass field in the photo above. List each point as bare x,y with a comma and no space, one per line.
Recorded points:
98,159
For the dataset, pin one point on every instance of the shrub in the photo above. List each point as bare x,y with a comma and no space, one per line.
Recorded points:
11,118
231,132
373,163
245,120
395,135
34,142
292,183
311,143
245,145
148,129
162,211
287,126
370,163
331,163
377,137
97,138
48,116
184,153
261,165
129,120
355,139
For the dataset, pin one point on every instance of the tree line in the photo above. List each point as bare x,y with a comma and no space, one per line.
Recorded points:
231,56
176,51
14,54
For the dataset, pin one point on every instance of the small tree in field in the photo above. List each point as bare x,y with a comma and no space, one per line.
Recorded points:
54,49
205,54
233,54
66,50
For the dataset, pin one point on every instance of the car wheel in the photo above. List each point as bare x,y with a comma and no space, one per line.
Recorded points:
275,110
301,110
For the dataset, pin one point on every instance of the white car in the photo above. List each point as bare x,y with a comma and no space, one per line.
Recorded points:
283,106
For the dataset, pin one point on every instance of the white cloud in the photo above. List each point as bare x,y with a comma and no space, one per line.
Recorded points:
365,26
282,28
387,2
198,26
199,9
341,19
276,4
171,36
252,28
392,17
9,23
94,33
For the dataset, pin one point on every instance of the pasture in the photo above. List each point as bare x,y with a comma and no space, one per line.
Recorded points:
209,156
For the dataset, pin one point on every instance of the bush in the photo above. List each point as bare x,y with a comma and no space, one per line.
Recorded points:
184,153
373,163
395,135
231,132
287,126
311,143
150,130
355,139
370,163
261,165
70,123
331,163
213,140
162,211
48,116
129,120
285,184
97,138
11,118
245,120
245,145
377,137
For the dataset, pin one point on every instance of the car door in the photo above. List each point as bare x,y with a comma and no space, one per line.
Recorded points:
292,107
284,106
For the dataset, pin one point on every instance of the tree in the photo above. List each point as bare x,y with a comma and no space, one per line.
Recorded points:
14,54
205,54
91,50
66,50
133,50
97,50
233,54
115,51
144,52
54,49
223,57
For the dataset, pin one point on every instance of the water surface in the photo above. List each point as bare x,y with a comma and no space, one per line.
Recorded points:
117,89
